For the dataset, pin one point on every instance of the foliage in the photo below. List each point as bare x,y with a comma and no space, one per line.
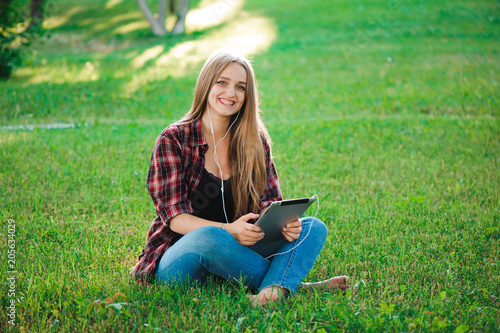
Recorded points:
16,33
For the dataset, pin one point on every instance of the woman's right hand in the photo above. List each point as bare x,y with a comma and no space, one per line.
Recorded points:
245,233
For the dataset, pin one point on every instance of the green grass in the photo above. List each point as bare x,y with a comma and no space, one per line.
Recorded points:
388,111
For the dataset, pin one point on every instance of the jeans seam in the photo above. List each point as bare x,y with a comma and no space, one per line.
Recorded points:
285,273
292,258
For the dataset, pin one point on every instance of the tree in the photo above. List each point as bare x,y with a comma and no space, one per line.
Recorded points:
36,11
17,30
158,23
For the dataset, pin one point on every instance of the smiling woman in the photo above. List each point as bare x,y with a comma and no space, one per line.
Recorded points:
203,227
228,93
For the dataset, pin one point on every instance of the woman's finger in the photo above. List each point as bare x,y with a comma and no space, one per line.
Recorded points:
296,230
250,239
249,216
294,224
289,238
253,228
253,233
291,234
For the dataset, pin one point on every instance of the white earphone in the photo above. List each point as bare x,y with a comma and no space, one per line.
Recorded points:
216,159
308,231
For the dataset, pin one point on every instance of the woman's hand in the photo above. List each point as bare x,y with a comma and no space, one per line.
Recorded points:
292,230
245,233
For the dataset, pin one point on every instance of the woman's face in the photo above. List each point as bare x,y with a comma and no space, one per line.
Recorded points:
228,93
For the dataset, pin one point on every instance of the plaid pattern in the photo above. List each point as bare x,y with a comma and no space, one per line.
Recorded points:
176,167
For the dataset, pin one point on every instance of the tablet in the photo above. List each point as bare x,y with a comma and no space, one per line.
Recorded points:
279,214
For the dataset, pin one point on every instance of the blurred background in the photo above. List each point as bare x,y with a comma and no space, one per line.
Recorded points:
100,59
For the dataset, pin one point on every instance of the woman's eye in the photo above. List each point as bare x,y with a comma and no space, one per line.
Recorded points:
221,82
241,87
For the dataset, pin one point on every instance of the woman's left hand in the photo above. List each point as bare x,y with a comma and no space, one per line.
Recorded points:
292,230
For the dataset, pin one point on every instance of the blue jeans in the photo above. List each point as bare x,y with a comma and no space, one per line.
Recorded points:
213,251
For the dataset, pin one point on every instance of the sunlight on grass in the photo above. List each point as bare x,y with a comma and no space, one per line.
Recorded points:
108,23
212,13
112,3
247,35
123,17
147,55
96,24
59,20
131,27
61,73
401,144
11,137
206,15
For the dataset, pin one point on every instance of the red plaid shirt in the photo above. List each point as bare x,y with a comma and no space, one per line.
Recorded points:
177,163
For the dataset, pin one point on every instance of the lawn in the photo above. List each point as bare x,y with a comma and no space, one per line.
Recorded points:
389,111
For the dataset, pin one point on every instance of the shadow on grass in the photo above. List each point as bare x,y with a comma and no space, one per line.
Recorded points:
99,61
100,19
94,26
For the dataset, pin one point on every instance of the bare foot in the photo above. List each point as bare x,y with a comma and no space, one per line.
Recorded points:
334,283
266,295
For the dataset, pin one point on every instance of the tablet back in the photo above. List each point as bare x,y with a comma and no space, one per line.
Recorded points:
279,214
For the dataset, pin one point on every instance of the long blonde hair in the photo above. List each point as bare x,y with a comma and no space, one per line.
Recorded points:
246,151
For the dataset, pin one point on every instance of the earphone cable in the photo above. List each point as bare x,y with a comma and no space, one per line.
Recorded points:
216,159
310,226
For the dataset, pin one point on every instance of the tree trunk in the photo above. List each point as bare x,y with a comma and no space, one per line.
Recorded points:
162,11
36,14
4,12
157,26
182,9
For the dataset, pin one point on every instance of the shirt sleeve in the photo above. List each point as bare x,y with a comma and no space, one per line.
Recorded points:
166,181
272,192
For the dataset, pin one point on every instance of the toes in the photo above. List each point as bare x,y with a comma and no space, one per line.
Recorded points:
262,299
339,282
274,297
253,300
346,282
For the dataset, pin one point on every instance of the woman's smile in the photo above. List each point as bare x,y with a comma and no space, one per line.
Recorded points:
229,91
226,101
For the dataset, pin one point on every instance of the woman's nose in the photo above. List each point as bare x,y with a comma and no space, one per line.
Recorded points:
230,90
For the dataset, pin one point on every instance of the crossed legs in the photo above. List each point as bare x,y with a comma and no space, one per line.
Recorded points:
212,250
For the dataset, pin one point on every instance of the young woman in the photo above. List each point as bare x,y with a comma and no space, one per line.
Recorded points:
211,173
